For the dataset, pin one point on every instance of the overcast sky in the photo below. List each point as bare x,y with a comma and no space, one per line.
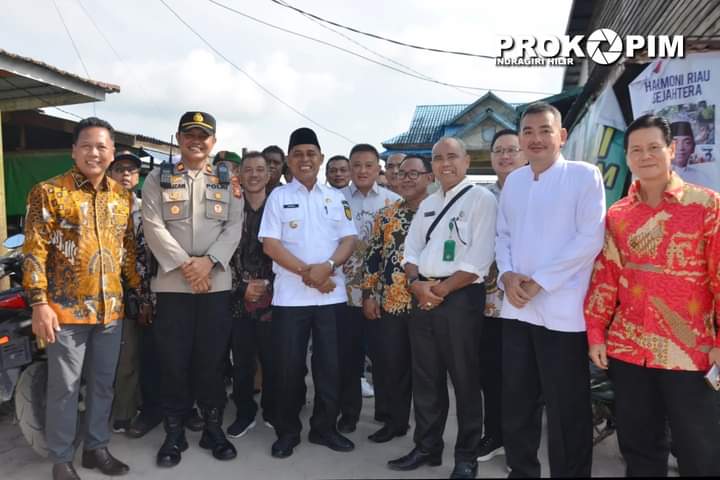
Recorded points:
166,70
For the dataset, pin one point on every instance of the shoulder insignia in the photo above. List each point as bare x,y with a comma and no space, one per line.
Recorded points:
180,167
348,211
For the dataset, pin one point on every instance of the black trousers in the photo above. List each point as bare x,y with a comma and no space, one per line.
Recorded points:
645,398
444,340
389,344
351,351
149,374
541,363
192,337
491,375
251,340
291,329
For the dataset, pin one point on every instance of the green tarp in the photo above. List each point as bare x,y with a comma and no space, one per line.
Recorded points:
24,170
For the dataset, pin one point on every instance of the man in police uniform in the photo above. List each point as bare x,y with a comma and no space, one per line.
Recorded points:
193,224
307,230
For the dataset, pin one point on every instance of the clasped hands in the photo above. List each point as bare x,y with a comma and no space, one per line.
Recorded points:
429,294
317,275
196,272
519,288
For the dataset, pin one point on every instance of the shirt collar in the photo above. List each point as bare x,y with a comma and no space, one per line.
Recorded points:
454,191
673,191
374,189
297,185
81,180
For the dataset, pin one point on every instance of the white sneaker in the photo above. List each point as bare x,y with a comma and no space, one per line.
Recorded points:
367,389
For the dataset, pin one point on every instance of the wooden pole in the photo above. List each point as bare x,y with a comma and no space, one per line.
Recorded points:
4,284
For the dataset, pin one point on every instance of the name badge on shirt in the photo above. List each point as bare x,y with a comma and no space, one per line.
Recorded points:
449,251
291,205
431,213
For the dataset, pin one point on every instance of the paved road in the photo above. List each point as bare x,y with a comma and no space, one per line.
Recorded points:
19,462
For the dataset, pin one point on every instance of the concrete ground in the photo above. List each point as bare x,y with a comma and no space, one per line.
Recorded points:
368,460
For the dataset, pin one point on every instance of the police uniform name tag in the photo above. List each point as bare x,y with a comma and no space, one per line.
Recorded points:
175,204
217,202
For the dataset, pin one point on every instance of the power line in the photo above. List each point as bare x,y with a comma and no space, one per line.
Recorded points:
380,55
380,37
107,41
75,47
250,77
331,45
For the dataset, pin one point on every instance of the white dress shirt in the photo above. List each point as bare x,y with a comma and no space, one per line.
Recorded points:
551,229
310,224
473,229
364,208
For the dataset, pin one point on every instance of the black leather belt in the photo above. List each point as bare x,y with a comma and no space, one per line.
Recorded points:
431,279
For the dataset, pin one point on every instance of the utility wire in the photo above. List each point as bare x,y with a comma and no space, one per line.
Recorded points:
250,77
107,41
380,37
331,45
75,47
380,55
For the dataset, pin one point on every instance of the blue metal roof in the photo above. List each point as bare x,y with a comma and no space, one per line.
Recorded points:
427,124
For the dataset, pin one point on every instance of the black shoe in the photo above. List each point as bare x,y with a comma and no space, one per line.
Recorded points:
194,422
64,471
385,434
101,459
332,440
120,426
464,470
240,427
283,446
213,437
141,425
489,447
416,458
345,425
175,443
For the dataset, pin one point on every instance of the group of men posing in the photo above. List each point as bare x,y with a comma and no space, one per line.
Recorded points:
506,289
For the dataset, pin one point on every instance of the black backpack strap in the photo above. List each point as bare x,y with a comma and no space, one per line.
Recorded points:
444,211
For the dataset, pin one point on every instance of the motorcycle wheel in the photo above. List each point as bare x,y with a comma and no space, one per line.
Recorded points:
30,401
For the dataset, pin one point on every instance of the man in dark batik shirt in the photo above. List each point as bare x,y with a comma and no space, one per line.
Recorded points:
252,294
386,300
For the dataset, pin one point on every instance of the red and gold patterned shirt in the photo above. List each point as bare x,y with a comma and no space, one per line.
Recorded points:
655,289
79,242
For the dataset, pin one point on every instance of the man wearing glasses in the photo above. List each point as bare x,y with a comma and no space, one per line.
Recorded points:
386,300
505,157
392,166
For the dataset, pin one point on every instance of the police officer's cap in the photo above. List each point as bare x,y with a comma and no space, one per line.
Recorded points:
227,156
126,155
201,120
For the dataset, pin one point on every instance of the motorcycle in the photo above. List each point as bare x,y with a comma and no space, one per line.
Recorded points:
23,365
602,398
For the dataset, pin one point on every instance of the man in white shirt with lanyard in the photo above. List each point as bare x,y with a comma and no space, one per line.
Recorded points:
448,253
307,230
550,228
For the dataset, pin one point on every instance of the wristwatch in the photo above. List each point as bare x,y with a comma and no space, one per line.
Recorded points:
332,264
214,260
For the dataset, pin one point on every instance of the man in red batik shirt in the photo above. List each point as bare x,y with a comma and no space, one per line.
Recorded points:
652,310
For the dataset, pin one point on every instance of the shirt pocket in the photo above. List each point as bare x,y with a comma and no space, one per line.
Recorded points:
175,204
336,222
293,223
120,215
217,203
463,233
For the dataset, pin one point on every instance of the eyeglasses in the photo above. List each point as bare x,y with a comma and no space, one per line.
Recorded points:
412,174
131,169
512,151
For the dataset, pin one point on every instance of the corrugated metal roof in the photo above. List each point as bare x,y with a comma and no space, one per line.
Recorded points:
427,124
